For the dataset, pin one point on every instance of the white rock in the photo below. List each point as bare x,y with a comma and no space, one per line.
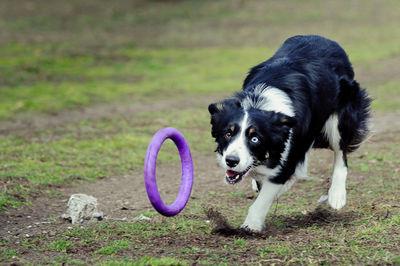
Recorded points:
81,208
141,217
115,219
323,198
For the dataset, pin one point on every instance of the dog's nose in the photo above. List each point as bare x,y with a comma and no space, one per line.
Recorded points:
232,161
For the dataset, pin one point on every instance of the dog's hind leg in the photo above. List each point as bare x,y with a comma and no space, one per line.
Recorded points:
301,169
337,191
287,186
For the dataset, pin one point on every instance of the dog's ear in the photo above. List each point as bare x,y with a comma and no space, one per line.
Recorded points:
286,120
231,103
215,108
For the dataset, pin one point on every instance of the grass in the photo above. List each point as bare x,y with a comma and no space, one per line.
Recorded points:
60,245
146,261
49,83
62,57
111,248
46,83
386,96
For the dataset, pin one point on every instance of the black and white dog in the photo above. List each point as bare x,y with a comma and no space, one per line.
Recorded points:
304,96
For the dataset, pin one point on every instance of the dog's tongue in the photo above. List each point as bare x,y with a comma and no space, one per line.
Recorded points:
231,173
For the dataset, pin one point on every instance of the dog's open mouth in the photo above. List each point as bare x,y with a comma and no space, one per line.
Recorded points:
233,177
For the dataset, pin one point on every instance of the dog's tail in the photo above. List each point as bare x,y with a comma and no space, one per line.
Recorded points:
354,115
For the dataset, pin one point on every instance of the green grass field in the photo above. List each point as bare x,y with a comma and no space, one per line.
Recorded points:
60,61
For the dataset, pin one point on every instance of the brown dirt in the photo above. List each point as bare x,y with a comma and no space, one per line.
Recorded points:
119,197
26,123
320,216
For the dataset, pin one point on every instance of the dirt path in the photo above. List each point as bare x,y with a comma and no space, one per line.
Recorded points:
120,197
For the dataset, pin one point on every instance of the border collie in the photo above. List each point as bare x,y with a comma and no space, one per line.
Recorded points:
303,97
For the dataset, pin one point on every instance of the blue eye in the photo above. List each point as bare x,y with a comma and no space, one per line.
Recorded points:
254,140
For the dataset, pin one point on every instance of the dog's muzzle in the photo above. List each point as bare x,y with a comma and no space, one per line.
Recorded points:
233,177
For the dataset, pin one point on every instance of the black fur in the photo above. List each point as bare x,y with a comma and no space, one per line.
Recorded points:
317,75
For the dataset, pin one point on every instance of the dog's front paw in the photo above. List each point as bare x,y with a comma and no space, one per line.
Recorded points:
337,197
252,227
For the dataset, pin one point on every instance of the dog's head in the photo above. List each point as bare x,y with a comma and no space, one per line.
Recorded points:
247,137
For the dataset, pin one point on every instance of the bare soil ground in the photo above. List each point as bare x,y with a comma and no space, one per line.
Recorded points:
26,123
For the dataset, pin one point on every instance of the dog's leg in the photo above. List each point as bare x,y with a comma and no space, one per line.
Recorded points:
337,191
301,169
287,186
258,211
256,185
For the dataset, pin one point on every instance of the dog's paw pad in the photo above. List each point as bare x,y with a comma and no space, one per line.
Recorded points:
337,198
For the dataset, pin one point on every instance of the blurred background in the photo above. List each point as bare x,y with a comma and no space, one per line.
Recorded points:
64,54
84,85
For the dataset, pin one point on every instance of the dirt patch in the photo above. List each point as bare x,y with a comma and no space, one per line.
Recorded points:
224,228
25,124
319,217
119,197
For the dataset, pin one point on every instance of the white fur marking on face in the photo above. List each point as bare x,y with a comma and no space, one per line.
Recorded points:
239,148
272,99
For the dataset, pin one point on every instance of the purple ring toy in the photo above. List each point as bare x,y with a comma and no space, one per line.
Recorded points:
150,163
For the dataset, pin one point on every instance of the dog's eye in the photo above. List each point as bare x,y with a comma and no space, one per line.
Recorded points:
254,140
228,135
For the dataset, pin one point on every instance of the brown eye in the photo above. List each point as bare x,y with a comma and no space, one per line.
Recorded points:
228,135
